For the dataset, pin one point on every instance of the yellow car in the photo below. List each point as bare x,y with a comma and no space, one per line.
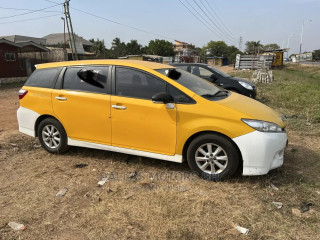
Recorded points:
152,110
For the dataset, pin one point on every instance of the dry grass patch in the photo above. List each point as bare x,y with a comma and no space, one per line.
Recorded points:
165,200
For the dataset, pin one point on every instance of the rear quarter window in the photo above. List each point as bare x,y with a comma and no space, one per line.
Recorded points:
43,78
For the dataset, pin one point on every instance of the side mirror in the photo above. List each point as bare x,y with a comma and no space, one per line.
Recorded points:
213,77
90,77
162,97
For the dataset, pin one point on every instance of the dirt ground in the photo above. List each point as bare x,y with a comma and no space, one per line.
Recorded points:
164,201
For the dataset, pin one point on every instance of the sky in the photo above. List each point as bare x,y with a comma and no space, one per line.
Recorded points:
272,21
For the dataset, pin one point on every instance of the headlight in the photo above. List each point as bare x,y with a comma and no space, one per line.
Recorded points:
263,126
245,85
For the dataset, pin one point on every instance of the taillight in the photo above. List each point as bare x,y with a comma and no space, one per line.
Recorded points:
22,93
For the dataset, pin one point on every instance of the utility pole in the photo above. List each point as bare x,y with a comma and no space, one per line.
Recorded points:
288,42
70,30
64,31
240,43
301,38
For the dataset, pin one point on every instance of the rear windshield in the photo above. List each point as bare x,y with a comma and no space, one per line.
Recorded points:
43,78
192,82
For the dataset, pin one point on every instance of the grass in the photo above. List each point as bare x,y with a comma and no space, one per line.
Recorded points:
295,93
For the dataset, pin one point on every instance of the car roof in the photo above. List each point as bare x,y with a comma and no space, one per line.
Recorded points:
121,62
186,64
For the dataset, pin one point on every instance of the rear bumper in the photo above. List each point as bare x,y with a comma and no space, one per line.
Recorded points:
261,151
27,120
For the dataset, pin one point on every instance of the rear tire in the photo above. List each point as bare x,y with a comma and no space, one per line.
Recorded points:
213,157
52,136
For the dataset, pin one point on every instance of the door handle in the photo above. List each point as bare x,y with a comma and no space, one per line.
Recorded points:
119,107
61,98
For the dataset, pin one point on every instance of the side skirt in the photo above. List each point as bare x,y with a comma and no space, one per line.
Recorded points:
175,158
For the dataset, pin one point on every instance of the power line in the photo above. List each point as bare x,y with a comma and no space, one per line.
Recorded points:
203,21
222,27
32,19
217,26
38,10
24,9
217,15
52,1
199,19
121,24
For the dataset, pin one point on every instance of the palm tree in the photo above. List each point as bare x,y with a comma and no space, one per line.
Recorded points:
99,48
254,47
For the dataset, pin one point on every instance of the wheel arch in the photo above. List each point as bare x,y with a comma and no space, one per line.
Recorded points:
40,119
192,137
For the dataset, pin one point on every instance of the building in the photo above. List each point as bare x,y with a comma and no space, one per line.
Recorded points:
269,59
185,52
217,61
19,38
10,62
57,40
17,59
303,57
278,56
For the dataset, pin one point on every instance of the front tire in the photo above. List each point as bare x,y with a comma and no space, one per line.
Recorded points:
213,157
52,136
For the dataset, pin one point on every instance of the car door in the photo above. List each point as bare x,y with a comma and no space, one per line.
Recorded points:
137,122
84,108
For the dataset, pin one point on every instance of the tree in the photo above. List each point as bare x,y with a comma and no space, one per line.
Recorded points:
316,55
232,52
133,48
253,47
99,48
118,48
217,48
271,46
202,53
160,47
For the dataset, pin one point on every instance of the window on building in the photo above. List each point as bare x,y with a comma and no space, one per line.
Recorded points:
10,57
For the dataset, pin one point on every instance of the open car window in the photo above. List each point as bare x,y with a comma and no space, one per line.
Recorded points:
195,84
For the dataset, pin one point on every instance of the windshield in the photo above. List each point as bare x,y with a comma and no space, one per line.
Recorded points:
196,84
223,74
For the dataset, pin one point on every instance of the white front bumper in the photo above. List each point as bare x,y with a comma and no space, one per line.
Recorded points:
261,151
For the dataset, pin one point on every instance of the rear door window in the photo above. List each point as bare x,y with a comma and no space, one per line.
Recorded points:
73,82
137,84
185,68
43,78
204,72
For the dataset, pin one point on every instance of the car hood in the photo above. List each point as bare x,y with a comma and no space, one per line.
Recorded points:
242,80
252,109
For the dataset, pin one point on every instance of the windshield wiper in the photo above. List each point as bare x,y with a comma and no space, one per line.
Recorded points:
216,94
